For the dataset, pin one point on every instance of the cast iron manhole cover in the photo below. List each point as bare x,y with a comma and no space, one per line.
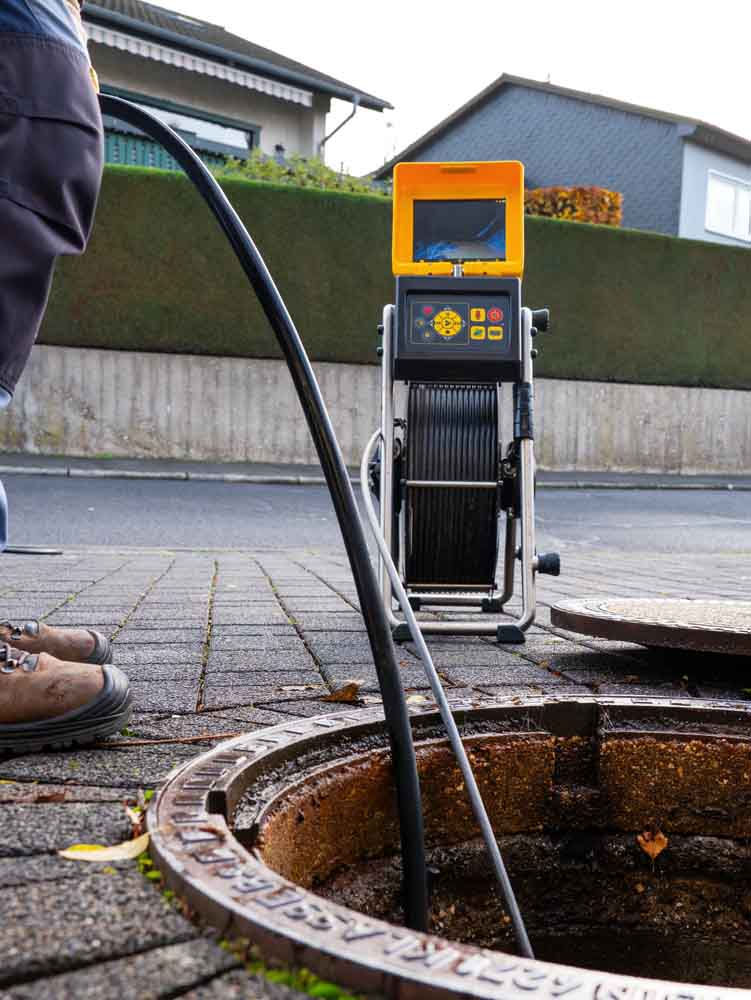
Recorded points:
701,625
255,835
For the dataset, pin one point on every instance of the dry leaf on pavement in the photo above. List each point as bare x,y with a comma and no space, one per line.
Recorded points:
94,852
348,693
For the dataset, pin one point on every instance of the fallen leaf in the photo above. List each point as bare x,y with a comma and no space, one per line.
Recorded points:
348,693
417,699
652,842
126,851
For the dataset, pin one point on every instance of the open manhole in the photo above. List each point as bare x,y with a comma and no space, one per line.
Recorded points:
625,824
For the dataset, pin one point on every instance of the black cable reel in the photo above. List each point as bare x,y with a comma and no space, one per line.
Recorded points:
451,533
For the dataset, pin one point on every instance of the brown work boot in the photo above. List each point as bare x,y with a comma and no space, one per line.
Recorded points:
46,702
74,645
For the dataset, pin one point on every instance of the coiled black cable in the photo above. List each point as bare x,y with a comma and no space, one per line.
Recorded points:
337,478
452,533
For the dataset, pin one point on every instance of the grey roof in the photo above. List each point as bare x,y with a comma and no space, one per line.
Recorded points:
149,21
690,128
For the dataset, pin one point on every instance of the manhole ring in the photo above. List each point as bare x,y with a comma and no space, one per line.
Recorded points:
239,895
711,626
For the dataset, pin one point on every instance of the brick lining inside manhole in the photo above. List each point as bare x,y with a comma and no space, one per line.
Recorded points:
290,838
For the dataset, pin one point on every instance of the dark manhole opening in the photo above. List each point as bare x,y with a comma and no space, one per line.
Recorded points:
585,903
628,845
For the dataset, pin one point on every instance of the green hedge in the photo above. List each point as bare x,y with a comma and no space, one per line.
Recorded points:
626,306
630,306
160,276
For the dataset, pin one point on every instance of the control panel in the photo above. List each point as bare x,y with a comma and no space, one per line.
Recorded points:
458,323
449,328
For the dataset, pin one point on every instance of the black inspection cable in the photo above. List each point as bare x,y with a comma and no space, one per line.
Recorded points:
478,806
394,705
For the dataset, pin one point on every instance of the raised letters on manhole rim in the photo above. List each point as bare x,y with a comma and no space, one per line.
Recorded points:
201,859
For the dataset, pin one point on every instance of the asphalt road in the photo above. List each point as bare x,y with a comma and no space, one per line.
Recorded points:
58,511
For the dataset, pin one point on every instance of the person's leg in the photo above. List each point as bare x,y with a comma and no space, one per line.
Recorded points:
5,398
3,517
50,171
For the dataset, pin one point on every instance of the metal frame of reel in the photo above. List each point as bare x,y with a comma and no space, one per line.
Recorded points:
515,484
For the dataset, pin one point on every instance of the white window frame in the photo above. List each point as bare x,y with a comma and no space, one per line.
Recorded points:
738,182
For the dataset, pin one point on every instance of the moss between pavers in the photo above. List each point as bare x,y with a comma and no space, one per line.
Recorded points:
297,979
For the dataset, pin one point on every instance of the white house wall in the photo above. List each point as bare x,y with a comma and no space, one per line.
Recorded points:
697,162
295,127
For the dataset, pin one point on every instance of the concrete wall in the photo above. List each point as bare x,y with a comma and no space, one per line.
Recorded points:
297,128
91,402
697,162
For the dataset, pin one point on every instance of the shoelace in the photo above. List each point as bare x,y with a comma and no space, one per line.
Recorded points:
12,659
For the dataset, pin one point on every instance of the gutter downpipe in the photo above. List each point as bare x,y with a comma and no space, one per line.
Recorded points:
350,116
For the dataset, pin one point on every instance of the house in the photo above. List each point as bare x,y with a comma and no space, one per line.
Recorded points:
224,94
677,175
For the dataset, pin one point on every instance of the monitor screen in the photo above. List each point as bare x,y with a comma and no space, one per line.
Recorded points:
456,231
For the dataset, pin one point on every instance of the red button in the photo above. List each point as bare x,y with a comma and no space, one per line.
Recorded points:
427,310
495,315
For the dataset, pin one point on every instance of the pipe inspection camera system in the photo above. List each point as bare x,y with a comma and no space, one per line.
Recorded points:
456,335
470,263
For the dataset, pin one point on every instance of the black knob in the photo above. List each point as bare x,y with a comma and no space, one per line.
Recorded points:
379,352
541,319
533,353
549,563
533,331
380,329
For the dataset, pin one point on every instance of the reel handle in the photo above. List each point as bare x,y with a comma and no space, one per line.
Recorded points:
549,563
541,320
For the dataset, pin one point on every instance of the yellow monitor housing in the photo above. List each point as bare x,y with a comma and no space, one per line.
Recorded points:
432,197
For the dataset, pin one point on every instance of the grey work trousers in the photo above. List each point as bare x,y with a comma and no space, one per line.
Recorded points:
51,154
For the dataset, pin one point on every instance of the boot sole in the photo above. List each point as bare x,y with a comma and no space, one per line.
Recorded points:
103,652
108,713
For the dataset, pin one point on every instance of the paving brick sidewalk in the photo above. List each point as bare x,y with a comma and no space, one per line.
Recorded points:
219,644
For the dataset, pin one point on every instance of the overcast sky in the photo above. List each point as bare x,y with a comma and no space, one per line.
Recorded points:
429,58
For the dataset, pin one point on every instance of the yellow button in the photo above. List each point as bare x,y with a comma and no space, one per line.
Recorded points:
447,323
477,332
495,333
477,315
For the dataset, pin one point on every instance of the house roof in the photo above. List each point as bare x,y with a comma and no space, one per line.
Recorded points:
192,35
690,128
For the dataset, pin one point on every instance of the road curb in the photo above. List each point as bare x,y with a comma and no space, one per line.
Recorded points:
95,472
